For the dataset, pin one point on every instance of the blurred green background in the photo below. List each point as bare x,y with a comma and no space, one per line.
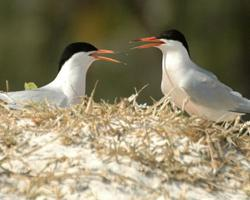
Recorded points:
34,32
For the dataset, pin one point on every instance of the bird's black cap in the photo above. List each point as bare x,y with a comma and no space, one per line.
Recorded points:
174,34
73,48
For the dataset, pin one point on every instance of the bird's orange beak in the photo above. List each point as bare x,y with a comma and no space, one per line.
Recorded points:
153,42
97,55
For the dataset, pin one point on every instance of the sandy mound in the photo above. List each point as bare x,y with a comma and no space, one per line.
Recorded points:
121,151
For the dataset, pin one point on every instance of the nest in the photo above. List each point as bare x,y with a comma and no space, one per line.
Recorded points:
121,151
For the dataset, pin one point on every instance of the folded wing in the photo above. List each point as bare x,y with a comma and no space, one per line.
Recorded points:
37,95
208,91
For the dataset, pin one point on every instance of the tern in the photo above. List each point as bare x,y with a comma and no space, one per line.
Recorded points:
69,85
192,88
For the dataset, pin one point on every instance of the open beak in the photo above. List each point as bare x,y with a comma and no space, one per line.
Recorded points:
152,42
97,55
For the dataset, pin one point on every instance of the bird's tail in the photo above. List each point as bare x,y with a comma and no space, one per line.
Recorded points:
4,97
243,107
10,103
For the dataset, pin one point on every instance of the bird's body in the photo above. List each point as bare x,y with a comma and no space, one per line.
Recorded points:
204,94
191,87
69,85
55,97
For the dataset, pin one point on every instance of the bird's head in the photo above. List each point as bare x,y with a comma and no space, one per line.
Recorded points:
166,41
83,53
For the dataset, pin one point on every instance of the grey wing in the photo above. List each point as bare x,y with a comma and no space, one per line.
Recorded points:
37,95
205,72
208,91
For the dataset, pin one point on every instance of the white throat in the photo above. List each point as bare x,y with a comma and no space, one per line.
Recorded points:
71,79
175,62
175,55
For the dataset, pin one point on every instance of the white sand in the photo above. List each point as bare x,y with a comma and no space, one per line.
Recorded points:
138,157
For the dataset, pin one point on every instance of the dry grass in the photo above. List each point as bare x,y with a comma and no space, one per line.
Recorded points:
155,141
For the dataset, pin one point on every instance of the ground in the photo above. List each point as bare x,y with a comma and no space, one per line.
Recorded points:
121,151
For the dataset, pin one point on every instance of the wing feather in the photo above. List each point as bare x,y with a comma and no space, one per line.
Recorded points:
37,95
208,91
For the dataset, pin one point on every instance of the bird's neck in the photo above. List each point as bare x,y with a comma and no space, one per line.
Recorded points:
72,79
174,65
176,58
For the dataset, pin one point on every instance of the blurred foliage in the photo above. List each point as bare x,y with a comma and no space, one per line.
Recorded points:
30,86
33,34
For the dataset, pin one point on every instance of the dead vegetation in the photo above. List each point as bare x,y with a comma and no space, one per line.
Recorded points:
94,150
